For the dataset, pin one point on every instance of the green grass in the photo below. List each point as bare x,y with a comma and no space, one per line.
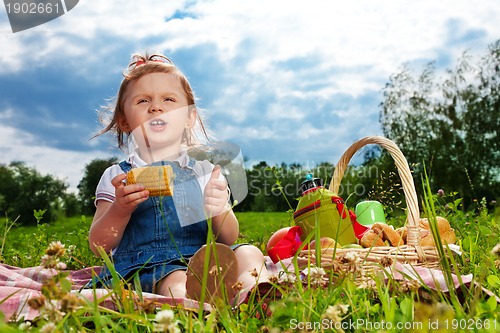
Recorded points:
257,227
25,245
338,305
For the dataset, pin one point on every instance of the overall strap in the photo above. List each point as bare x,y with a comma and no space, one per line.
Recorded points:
125,166
191,162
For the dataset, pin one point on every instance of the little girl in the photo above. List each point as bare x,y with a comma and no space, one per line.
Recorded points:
155,237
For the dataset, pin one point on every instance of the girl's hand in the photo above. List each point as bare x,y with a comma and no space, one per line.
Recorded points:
127,197
216,194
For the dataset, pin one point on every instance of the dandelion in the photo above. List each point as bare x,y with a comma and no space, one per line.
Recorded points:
165,322
496,250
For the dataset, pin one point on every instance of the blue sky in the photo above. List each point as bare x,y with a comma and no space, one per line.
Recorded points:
287,81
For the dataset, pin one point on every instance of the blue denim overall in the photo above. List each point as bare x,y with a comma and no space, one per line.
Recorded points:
156,241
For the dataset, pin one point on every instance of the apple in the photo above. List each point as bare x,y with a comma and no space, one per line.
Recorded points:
352,246
325,243
276,237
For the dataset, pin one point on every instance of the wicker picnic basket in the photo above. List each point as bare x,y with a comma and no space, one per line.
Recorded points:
374,258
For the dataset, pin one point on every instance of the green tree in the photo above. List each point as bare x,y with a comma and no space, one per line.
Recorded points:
8,188
452,126
28,191
87,186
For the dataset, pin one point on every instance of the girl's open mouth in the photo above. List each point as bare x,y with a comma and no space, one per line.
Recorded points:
157,125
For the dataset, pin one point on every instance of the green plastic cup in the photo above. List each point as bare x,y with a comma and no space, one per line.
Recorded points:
370,212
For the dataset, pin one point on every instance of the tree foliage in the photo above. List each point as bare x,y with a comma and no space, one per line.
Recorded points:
24,190
87,186
451,125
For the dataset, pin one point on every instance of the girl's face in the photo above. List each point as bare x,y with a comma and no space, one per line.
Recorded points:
157,113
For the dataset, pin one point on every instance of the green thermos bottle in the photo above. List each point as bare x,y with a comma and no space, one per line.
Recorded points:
321,207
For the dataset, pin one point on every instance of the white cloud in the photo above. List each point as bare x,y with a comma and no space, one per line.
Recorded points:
67,166
342,33
275,56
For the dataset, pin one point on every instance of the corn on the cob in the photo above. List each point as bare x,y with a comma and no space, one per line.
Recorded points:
156,179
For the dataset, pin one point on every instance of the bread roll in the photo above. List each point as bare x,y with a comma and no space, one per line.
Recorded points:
403,233
389,234
371,238
156,179
446,233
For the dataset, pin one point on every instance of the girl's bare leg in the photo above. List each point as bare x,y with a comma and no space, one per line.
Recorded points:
251,266
173,285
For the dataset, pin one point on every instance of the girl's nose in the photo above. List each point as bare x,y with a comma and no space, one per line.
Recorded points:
155,107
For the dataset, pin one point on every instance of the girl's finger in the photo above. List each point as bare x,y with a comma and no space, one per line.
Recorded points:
119,180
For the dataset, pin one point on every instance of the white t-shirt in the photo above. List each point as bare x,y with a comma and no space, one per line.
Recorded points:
106,191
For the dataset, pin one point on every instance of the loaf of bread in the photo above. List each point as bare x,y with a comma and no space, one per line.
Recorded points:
446,233
380,234
156,179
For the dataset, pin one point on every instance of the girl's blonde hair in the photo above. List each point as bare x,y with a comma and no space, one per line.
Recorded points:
138,67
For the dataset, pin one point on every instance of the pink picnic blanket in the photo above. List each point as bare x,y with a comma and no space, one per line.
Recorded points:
18,285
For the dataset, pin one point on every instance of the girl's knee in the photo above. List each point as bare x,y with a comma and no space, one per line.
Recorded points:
249,251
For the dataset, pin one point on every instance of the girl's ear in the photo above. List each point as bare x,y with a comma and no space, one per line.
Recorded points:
191,117
123,125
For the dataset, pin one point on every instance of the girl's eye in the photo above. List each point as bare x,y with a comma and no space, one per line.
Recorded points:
169,99
142,101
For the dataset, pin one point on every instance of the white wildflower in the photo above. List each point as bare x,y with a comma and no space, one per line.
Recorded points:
352,256
165,322
335,312
61,266
48,328
315,274
165,316
368,284
286,277
56,248
24,326
496,250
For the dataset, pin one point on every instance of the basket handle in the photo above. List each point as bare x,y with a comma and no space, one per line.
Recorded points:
404,172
